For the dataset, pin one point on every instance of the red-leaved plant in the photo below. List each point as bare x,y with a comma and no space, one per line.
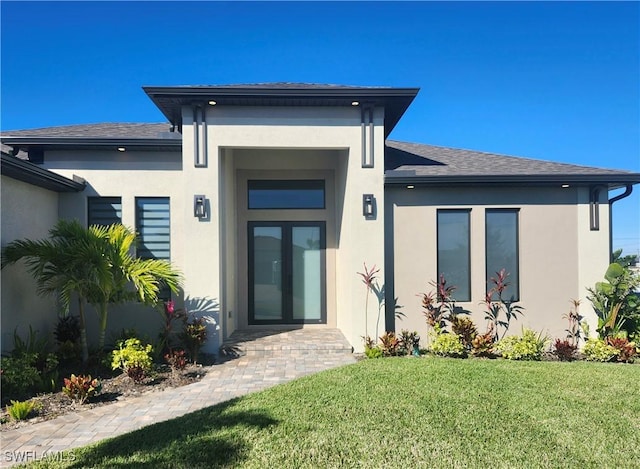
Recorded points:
500,305
565,350
369,279
626,349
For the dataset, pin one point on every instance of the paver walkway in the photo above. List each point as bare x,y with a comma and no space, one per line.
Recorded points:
270,359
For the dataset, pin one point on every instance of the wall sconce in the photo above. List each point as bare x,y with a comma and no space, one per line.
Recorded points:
200,206
368,206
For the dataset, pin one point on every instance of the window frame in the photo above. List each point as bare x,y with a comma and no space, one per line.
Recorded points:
488,275
286,184
466,211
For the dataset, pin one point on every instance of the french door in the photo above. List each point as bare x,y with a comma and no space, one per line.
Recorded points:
287,273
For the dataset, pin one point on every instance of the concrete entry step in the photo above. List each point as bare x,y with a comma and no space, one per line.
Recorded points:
269,342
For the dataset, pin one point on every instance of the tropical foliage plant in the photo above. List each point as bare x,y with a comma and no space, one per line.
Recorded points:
194,336
616,302
498,306
565,350
133,357
20,410
370,281
448,345
598,350
81,387
527,346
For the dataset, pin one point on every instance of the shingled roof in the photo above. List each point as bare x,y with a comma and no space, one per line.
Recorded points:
413,163
134,135
100,130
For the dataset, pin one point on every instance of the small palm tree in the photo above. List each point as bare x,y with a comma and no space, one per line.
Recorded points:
130,278
97,265
61,265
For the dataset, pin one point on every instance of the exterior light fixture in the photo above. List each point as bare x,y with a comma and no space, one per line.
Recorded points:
355,103
200,206
564,186
410,186
212,103
122,149
368,206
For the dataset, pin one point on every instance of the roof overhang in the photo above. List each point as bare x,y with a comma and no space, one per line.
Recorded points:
30,173
409,177
171,99
83,143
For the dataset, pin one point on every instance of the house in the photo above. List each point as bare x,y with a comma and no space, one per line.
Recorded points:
271,197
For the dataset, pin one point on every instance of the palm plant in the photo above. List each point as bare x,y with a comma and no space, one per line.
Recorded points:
60,265
129,278
97,265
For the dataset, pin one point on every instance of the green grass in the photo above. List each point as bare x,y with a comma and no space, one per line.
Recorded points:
400,412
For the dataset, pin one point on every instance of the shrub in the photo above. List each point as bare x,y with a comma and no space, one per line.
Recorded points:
19,377
528,346
194,336
598,350
564,350
482,345
80,388
176,359
626,350
373,352
464,328
133,358
67,334
448,345
390,344
20,410
409,342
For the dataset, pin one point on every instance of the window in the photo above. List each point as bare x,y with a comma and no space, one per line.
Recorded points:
453,251
286,194
104,210
152,225
502,249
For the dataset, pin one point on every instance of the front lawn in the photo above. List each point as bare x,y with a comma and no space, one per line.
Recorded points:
403,412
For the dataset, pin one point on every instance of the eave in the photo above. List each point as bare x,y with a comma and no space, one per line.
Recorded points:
408,177
75,143
171,99
32,174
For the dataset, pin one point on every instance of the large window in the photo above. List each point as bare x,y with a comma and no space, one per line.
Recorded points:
453,251
104,210
502,249
152,225
286,194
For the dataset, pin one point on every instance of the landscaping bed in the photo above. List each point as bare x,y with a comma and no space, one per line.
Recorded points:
114,389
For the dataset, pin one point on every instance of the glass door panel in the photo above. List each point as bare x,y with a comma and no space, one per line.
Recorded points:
286,272
267,273
306,272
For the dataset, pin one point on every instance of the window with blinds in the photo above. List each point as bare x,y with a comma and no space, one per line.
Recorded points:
104,210
153,227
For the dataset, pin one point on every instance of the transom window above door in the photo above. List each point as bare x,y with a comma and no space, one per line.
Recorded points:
286,194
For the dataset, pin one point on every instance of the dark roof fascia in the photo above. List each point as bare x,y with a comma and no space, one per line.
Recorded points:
62,143
612,181
30,173
170,99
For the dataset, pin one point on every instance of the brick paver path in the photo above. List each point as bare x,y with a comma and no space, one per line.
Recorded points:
281,362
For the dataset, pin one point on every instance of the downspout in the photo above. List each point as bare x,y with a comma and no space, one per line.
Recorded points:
626,193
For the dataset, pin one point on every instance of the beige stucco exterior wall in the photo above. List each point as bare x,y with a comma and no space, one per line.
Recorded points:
559,256
231,131
27,212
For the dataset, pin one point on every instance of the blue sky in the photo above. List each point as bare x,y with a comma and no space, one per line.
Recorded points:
556,81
